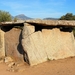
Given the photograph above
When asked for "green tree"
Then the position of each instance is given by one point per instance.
(68, 16)
(5, 16)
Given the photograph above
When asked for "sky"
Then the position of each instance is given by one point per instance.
(38, 8)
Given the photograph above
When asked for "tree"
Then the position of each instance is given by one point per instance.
(68, 16)
(5, 16)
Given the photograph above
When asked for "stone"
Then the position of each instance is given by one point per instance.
(8, 59)
(13, 47)
(21, 64)
(58, 44)
(17, 23)
(11, 64)
(47, 43)
(33, 47)
(51, 22)
(2, 44)
(12, 69)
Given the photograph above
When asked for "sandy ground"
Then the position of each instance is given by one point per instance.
(58, 67)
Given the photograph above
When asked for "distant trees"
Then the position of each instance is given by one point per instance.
(68, 16)
(5, 16)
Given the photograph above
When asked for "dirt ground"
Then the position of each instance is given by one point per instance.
(55, 67)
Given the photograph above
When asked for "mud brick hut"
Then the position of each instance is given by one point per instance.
(39, 41)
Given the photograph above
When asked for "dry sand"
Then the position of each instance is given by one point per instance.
(58, 67)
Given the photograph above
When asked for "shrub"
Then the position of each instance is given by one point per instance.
(5, 16)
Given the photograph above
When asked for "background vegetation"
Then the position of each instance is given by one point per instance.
(68, 16)
(5, 16)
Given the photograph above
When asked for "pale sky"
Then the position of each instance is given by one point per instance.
(38, 8)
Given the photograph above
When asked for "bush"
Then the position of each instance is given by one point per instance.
(5, 16)
(68, 16)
